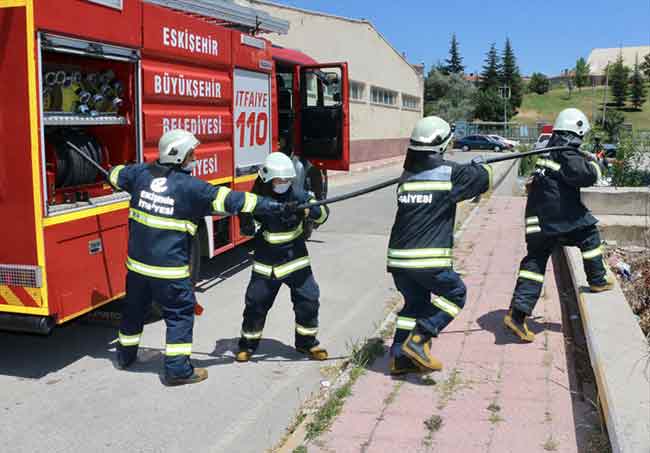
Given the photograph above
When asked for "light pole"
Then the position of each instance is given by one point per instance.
(505, 94)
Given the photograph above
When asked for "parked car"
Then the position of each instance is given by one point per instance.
(542, 141)
(610, 149)
(479, 142)
(511, 143)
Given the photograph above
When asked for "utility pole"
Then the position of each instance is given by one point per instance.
(505, 94)
(605, 93)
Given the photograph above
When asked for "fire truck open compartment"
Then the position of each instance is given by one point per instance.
(89, 97)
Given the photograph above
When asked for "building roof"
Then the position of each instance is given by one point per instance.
(342, 18)
(600, 58)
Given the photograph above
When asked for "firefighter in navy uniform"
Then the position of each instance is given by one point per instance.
(281, 257)
(421, 241)
(167, 204)
(556, 216)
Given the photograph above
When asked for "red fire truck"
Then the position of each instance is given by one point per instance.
(109, 77)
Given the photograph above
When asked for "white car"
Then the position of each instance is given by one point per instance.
(507, 141)
(542, 141)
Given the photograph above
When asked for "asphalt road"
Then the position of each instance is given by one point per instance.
(62, 393)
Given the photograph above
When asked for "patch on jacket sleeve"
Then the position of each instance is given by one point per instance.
(442, 173)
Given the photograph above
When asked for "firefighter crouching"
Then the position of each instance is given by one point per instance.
(167, 204)
(281, 257)
(421, 241)
(556, 216)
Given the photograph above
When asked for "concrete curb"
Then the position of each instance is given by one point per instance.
(620, 356)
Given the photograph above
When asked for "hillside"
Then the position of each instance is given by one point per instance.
(545, 107)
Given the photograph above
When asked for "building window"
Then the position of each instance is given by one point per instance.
(410, 102)
(383, 96)
(357, 91)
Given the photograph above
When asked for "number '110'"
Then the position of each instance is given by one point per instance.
(257, 127)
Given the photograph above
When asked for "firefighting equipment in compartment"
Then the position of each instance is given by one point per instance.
(431, 134)
(71, 168)
(280, 256)
(277, 165)
(85, 94)
(175, 145)
(167, 204)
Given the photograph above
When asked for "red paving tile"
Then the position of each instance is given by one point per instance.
(495, 394)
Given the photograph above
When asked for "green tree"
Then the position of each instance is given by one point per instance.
(448, 96)
(645, 66)
(455, 61)
(539, 83)
(583, 70)
(490, 73)
(612, 124)
(618, 80)
(488, 105)
(637, 87)
(509, 76)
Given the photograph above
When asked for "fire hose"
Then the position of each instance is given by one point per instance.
(198, 308)
(390, 182)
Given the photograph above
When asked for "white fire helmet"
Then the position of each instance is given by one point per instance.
(277, 165)
(431, 133)
(175, 145)
(572, 120)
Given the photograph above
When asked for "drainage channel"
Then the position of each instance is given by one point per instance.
(591, 432)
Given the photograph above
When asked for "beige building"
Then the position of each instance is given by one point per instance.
(600, 58)
(385, 90)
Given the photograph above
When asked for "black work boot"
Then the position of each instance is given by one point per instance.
(515, 321)
(315, 352)
(606, 286)
(246, 349)
(403, 365)
(418, 347)
(199, 374)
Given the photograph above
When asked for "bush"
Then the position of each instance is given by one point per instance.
(612, 125)
(526, 164)
(632, 161)
(539, 83)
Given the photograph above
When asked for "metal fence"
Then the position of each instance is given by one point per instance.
(524, 133)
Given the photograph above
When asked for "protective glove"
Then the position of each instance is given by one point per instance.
(290, 214)
(478, 160)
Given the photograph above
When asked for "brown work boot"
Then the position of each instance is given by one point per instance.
(243, 355)
(518, 327)
(418, 348)
(609, 284)
(404, 365)
(315, 352)
(200, 374)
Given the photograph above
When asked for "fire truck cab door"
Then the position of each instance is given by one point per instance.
(321, 102)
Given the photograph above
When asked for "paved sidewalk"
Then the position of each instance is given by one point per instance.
(495, 394)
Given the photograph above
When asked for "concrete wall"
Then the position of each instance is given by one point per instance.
(376, 131)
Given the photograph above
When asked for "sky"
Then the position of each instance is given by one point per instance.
(548, 36)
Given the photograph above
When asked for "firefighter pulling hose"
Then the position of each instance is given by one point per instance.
(393, 181)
